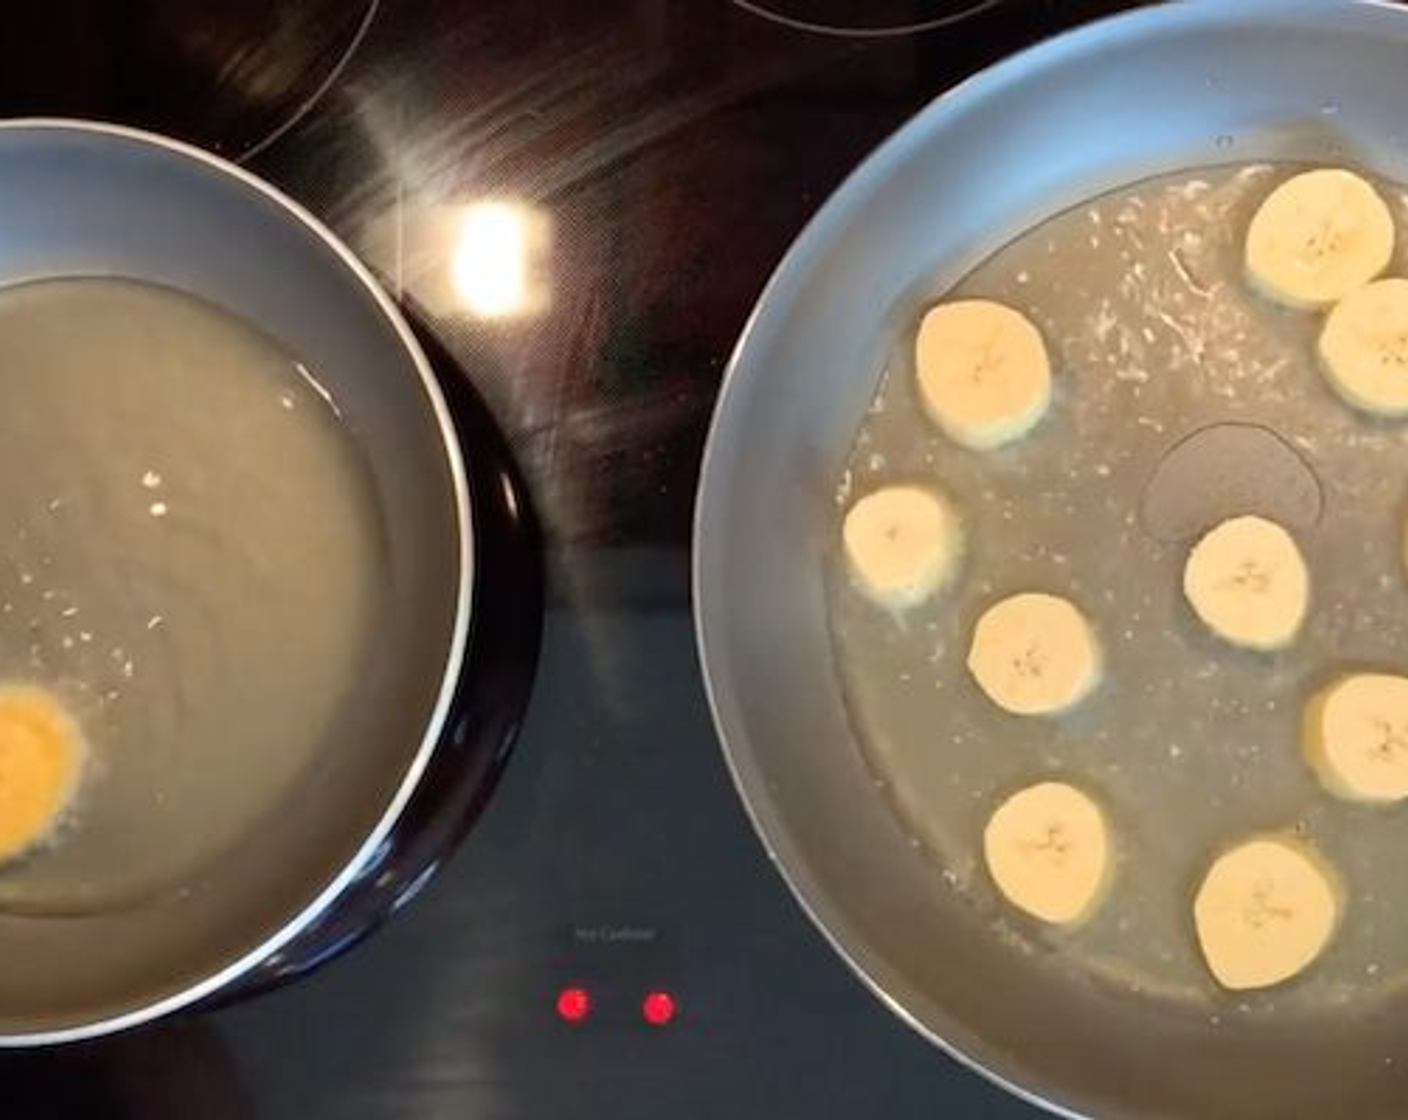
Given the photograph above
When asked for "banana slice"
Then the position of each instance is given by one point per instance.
(902, 544)
(1355, 737)
(1246, 580)
(1048, 850)
(1266, 909)
(1318, 237)
(1034, 654)
(1364, 348)
(984, 376)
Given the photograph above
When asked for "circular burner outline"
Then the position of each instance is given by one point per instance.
(760, 9)
(319, 91)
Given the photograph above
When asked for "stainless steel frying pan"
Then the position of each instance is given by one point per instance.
(86, 200)
(1163, 89)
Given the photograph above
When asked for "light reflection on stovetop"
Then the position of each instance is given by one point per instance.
(652, 162)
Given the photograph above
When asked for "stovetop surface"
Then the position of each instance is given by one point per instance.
(581, 202)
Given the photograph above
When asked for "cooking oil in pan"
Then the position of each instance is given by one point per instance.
(1190, 745)
(191, 563)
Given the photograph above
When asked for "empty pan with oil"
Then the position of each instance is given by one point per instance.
(235, 581)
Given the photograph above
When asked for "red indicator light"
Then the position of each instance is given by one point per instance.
(659, 1008)
(573, 1005)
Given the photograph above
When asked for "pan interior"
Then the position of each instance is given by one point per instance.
(235, 435)
(1157, 92)
(194, 560)
(1157, 341)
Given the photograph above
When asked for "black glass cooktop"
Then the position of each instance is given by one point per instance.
(232, 76)
(580, 202)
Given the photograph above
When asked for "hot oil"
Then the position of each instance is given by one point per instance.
(192, 556)
(1189, 744)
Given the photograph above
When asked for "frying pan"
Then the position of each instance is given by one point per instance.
(93, 200)
(1162, 89)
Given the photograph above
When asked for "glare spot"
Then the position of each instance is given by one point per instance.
(491, 263)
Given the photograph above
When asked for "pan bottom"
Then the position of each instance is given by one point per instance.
(1157, 341)
(195, 558)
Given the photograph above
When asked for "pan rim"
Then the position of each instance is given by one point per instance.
(787, 856)
(453, 665)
